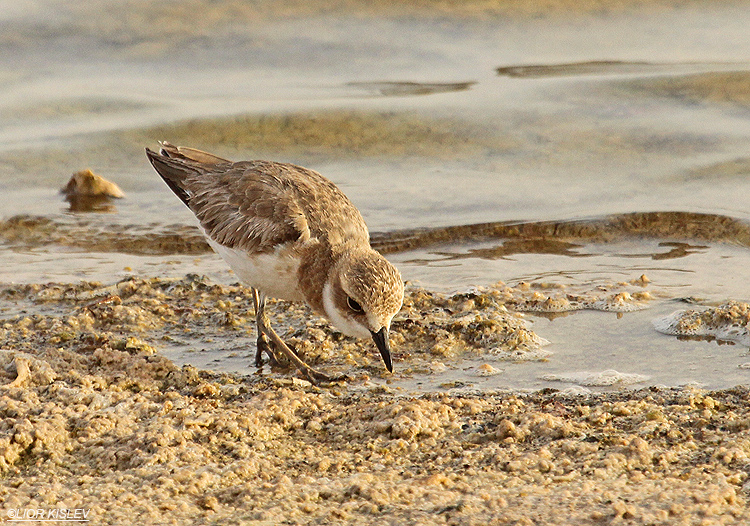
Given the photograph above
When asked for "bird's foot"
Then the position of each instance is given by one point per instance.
(276, 355)
(264, 345)
(318, 378)
(270, 343)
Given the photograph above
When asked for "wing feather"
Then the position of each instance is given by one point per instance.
(260, 205)
(243, 208)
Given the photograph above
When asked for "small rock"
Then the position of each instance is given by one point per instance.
(487, 370)
(87, 183)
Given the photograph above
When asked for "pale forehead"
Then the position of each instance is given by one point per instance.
(373, 271)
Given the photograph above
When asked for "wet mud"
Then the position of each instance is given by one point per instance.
(548, 237)
(95, 416)
(195, 312)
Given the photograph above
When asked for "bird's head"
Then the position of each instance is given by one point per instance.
(363, 293)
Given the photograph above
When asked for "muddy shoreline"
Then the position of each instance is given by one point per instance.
(94, 417)
(96, 234)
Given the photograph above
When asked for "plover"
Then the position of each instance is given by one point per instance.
(289, 233)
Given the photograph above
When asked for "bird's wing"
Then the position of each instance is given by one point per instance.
(248, 205)
(258, 205)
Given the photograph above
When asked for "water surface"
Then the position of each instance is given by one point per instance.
(577, 119)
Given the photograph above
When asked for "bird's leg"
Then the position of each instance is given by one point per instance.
(262, 344)
(265, 331)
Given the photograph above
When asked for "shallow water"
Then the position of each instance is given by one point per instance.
(436, 120)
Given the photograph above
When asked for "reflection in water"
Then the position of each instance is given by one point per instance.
(511, 247)
(330, 134)
(677, 250)
(555, 248)
(90, 203)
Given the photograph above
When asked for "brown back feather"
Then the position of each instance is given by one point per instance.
(258, 205)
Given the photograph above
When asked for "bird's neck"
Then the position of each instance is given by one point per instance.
(317, 261)
(318, 266)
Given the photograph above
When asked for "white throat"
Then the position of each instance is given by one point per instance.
(342, 323)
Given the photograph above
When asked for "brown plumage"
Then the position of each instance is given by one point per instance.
(289, 232)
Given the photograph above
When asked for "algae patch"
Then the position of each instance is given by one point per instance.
(727, 322)
(729, 88)
(333, 133)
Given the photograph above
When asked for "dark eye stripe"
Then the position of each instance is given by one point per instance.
(356, 307)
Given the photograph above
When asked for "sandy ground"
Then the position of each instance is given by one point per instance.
(93, 417)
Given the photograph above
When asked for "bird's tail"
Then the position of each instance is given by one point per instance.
(190, 154)
(175, 163)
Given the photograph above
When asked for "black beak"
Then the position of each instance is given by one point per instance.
(384, 346)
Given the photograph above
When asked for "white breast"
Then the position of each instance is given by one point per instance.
(273, 273)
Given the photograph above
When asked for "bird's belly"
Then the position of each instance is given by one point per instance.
(273, 273)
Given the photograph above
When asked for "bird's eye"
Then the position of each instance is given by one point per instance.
(356, 307)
